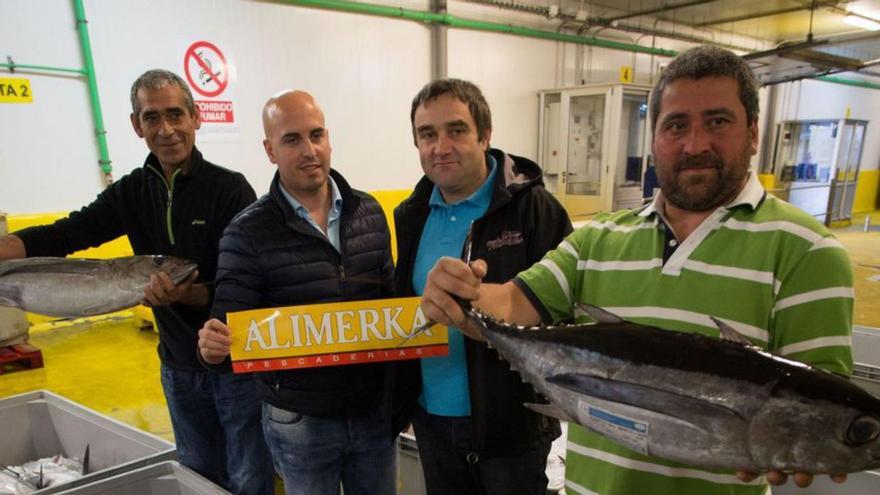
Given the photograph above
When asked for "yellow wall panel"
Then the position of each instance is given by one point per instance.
(866, 191)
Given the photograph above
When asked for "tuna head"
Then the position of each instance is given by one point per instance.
(825, 424)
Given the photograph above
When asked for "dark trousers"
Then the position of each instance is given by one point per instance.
(216, 421)
(451, 466)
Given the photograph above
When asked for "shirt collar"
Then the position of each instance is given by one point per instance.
(480, 198)
(335, 201)
(751, 195)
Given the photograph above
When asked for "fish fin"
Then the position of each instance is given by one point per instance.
(549, 410)
(598, 314)
(49, 264)
(730, 334)
(10, 296)
(666, 402)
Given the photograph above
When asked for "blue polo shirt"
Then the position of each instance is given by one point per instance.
(445, 379)
(332, 233)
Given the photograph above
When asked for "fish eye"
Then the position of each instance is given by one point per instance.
(863, 429)
(158, 260)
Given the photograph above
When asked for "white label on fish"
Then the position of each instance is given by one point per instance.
(629, 431)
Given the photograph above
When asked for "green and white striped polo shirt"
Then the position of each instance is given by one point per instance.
(759, 264)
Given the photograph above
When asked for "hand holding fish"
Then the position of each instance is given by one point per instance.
(450, 281)
(778, 478)
(162, 291)
(214, 341)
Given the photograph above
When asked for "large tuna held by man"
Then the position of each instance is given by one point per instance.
(694, 399)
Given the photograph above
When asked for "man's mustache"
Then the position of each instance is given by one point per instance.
(700, 161)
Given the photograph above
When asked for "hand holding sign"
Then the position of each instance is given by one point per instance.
(214, 341)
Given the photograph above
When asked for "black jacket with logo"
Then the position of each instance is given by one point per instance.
(201, 202)
(270, 257)
(522, 223)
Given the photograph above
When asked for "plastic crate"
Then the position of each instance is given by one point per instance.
(42, 424)
(165, 478)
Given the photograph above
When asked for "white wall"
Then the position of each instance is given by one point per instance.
(364, 70)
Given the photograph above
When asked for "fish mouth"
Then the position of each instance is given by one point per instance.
(184, 272)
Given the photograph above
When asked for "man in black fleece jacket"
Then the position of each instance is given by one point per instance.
(311, 239)
(177, 204)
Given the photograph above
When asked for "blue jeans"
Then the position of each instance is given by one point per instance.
(451, 465)
(314, 454)
(216, 421)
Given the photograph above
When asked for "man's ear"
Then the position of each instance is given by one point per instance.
(487, 137)
(198, 118)
(136, 124)
(267, 145)
(753, 136)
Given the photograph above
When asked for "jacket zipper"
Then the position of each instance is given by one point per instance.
(168, 210)
(170, 189)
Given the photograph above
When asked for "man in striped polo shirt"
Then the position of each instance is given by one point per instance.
(711, 244)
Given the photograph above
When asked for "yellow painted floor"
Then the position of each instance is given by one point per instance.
(112, 366)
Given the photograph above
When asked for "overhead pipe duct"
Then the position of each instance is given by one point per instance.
(452, 21)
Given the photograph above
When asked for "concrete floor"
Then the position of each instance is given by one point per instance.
(112, 366)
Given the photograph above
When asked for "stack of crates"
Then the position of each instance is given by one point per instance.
(42, 424)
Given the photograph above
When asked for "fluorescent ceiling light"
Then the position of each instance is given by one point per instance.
(862, 22)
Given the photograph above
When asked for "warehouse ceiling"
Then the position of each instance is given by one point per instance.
(785, 39)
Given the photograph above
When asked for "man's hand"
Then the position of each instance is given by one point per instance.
(214, 341)
(451, 278)
(162, 291)
(778, 478)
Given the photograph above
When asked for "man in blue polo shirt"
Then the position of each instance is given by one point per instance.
(474, 434)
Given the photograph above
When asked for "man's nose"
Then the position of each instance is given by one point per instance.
(308, 148)
(443, 145)
(165, 127)
(697, 141)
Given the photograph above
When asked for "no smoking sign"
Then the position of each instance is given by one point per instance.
(206, 69)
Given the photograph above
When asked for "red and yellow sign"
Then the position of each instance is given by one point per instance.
(332, 334)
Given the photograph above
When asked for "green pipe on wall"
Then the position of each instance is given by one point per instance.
(43, 68)
(94, 99)
(849, 82)
(494, 27)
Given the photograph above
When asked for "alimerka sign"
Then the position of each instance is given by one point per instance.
(332, 334)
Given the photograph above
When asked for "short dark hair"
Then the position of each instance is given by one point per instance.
(159, 78)
(705, 61)
(466, 92)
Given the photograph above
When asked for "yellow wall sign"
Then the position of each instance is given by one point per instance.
(332, 334)
(15, 90)
(626, 74)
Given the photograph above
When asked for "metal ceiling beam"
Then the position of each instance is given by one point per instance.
(746, 17)
(659, 10)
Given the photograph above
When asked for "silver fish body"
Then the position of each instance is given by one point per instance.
(69, 287)
(694, 399)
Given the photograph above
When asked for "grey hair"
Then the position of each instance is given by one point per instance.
(706, 61)
(466, 92)
(156, 79)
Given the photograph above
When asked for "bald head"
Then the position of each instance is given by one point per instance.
(291, 104)
(299, 144)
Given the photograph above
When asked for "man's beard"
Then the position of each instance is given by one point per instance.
(705, 192)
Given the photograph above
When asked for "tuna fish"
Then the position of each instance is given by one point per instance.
(714, 403)
(67, 287)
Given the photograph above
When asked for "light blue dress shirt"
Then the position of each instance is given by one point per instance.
(332, 233)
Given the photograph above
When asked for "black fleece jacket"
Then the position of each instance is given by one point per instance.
(522, 223)
(184, 218)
